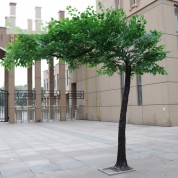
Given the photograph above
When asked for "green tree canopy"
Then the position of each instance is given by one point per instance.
(108, 38)
(92, 38)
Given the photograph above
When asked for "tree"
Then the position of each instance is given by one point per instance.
(107, 38)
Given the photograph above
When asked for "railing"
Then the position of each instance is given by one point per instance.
(25, 113)
(75, 112)
(75, 94)
(25, 109)
(50, 113)
(3, 106)
(31, 113)
(2, 113)
(50, 109)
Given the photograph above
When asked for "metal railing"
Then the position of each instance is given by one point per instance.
(3, 106)
(75, 112)
(25, 113)
(50, 113)
(31, 113)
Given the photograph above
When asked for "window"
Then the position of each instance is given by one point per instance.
(12, 38)
(176, 13)
(139, 90)
(133, 3)
(67, 72)
(57, 81)
(54, 81)
(46, 84)
(122, 75)
(118, 4)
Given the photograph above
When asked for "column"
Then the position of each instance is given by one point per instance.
(51, 89)
(30, 25)
(38, 19)
(12, 17)
(62, 88)
(6, 75)
(29, 85)
(30, 99)
(11, 98)
(38, 115)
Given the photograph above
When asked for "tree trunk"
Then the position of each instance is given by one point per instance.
(121, 162)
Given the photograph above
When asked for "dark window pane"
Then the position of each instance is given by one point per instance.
(139, 90)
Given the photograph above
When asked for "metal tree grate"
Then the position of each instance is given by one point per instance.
(113, 171)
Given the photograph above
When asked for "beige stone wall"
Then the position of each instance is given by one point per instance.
(4, 38)
(160, 93)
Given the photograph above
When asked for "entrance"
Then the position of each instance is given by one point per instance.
(74, 108)
(3, 106)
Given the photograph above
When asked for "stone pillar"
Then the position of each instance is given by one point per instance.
(51, 89)
(38, 19)
(62, 88)
(7, 21)
(30, 99)
(30, 25)
(61, 14)
(38, 115)
(29, 70)
(6, 78)
(11, 98)
(12, 18)
(29, 84)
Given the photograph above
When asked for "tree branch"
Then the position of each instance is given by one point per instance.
(81, 53)
(76, 55)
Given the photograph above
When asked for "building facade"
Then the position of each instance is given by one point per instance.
(153, 100)
(56, 78)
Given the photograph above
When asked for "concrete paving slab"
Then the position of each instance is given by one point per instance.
(77, 149)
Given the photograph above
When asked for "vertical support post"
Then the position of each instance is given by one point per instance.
(62, 85)
(12, 18)
(38, 117)
(29, 79)
(6, 78)
(6, 75)
(30, 25)
(11, 98)
(29, 88)
(51, 88)
(62, 90)
(38, 19)
(29, 84)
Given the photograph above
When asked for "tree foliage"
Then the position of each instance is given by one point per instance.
(92, 38)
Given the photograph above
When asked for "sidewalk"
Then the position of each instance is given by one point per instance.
(76, 149)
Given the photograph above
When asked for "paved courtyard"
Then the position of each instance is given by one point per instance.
(76, 149)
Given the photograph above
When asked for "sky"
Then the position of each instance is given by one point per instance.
(25, 9)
